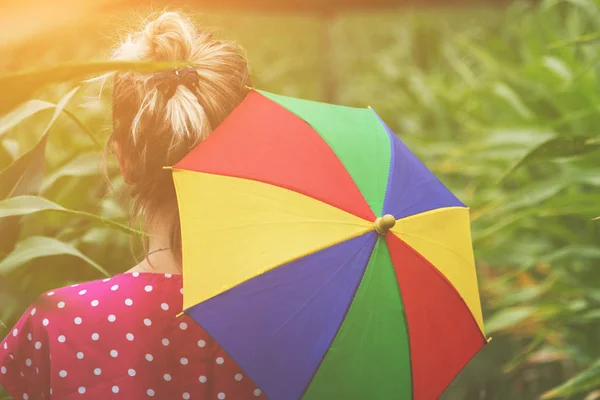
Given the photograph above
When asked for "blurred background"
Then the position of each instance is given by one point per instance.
(500, 99)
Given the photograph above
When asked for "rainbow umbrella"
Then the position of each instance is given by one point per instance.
(324, 257)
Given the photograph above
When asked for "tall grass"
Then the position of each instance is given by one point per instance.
(502, 104)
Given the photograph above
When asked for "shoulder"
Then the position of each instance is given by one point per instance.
(120, 286)
(130, 293)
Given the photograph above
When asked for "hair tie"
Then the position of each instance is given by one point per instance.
(168, 81)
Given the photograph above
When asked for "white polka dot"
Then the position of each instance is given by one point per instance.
(80, 355)
(112, 318)
(238, 377)
(50, 390)
(106, 280)
(95, 303)
(164, 306)
(97, 371)
(75, 285)
(181, 290)
(81, 390)
(148, 288)
(50, 293)
(77, 320)
(136, 274)
(201, 343)
(15, 332)
(28, 362)
(33, 311)
(257, 392)
(82, 292)
(221, 396)
(202, 379)
(45, 322)
(114, 353)
(131, 372)
(62, 338)
(168, 275)
(149, 357)
(5, 346)
(185, 396)
(220, 360)
(95, 336)
(167, 377)
(61, 304)
(128, 302)
(38, 345)
(150, 392)
(62, 373)
(147, 322)
(129, 336)
(183, 326)
(37, 370)
(29, 337)
(183, 361)
(114, 287)
(165, 342)
(115, 389)
(25, 396)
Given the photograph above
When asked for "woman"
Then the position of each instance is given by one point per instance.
(121, 337)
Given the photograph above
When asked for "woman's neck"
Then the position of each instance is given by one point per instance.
(160, 256)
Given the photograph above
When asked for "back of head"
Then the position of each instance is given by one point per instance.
(152, 128)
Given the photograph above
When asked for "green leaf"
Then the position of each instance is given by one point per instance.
(38, 247)
(19, 86)
(24, 177)
(25, 205)
(25, 174)
(32, 108)
(558, 147)
(507, 318)
(511, 97)
(24, 111)
(557, 67)
(86, 164)
(587, 380)
(589, 38)
(11, 146)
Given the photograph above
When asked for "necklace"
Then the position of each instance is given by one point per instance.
(157, 250)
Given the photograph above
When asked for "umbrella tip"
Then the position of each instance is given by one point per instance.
(167, 167)
(489, 339)
(384, 224)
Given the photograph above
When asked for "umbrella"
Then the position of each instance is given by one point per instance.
(324, 257)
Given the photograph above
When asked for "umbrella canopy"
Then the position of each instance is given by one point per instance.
(324, 257)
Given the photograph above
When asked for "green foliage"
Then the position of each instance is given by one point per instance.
(502, 104)
(23, 84)
(587, 380)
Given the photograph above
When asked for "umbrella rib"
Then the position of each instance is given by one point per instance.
(416, 200)
(320, 289)
(424, 238)
(362, 281)
(450, 284)
(286, 223)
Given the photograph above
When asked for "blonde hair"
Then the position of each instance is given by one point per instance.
(153, 129)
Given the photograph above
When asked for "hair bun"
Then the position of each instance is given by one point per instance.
(170, 37)
(153, 127)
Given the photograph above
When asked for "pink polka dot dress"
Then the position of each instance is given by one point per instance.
(117, 338)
